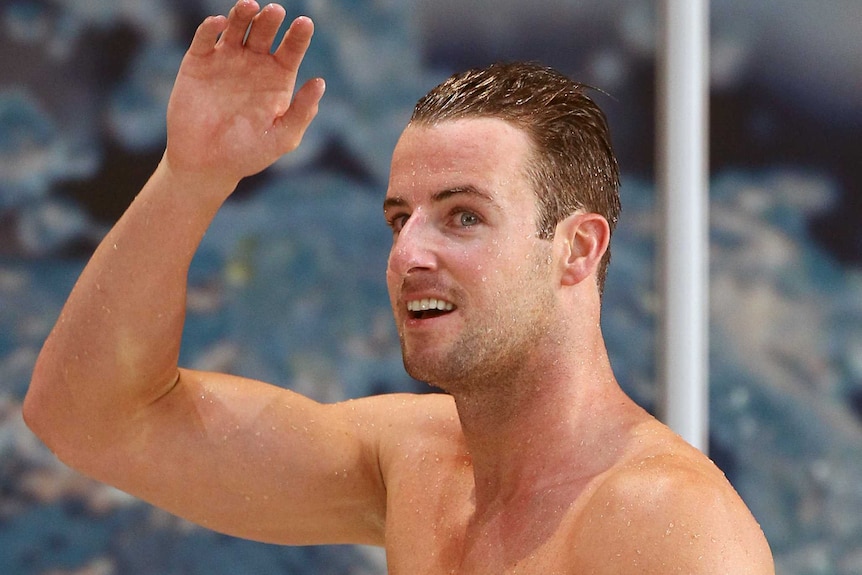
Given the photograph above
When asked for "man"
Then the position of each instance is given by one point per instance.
(501, 199)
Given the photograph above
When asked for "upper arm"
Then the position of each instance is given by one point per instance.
(671, 516)
(252, 460)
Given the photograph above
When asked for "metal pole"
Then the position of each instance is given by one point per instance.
(682, 124)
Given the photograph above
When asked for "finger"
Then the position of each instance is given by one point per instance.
(293, 124)
(238, 21)
(264, 27)
(295, 43)
(206, 35)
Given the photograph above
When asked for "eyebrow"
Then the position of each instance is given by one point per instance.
(443, 195)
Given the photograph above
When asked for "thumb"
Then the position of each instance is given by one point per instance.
(291, 126)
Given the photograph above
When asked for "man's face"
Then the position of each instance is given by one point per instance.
(469, 281)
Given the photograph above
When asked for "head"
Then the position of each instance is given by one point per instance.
(475, 293)
(573, 165)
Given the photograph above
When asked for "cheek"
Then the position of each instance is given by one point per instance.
(391, 284)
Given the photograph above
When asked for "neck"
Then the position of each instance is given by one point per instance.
(544, 430)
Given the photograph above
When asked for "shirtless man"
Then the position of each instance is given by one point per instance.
(534, 462)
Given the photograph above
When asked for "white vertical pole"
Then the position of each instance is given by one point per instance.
(682, 127)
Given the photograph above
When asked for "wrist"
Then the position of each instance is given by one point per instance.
(200, 184)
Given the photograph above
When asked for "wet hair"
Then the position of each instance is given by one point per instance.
(573, 167)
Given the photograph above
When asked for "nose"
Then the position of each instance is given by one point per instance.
(414, 247)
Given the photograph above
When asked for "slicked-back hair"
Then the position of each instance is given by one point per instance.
(573, 166)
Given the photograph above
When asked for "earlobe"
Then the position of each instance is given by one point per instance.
(583, 240)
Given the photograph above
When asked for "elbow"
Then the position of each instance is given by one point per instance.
(36, 409)
(30, 411)
(50, 418)
(48, 409)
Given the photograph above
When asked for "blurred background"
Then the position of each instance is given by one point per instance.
(288, 285)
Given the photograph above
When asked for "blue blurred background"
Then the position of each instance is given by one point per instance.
(288, 285)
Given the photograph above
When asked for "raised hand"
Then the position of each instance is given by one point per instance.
(233, 111)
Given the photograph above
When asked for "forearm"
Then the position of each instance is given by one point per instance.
(116, 343)
(114, 349)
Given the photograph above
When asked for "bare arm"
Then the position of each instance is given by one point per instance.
(107, 395)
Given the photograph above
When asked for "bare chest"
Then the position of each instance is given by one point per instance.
(431, 531)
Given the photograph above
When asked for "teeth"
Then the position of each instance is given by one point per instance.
(429, 303)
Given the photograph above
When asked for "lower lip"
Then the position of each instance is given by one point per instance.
(426, 322)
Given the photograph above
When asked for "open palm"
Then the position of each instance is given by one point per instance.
(233, 112)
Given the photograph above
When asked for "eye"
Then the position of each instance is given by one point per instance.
(467, 219)
(397, 221)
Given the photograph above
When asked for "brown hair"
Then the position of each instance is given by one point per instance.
(574, 166)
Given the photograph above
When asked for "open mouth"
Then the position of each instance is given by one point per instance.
(427, 308)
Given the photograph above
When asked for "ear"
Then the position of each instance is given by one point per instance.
(580, 242)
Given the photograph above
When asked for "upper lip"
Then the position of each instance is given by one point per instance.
(418, 289)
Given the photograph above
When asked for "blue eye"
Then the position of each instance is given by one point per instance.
(468, 219)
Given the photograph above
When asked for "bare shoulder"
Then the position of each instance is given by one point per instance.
(403, 419)
(418, 436)
(669, 510)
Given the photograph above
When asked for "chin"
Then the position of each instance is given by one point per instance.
(428, 371)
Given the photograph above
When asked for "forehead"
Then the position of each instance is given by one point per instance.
(485, 153)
